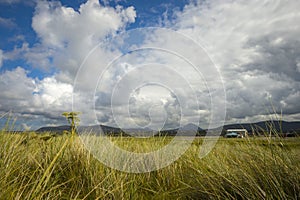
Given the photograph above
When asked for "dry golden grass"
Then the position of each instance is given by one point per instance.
(42, 167)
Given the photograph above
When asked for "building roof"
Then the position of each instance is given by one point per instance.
(229, 130)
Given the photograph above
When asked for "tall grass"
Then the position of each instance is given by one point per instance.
(41, 167)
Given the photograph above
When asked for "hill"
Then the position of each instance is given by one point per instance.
(54, 129)
(257, 127)
(84, 129)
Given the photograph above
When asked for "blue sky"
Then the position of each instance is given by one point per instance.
(249, 50)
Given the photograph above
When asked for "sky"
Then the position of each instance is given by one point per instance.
(149, 64)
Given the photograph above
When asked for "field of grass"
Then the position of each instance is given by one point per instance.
(39, 167)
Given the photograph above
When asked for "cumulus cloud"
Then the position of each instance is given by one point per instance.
(255, 45)
(72, 34)
(26, 96)
(56, 25)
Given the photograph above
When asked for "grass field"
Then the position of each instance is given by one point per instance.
(39, 167)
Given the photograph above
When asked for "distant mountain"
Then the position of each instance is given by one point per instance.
(190, 127)
(55, 129)
(107, 130)
(101, 129)
(258, 127)
(191, 130)
(138, 130)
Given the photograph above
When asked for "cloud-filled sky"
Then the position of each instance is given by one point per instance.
(149, 63)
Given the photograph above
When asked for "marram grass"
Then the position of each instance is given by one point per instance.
(43, 167)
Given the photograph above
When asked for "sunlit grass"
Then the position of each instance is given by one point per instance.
(145, 145)
(44, 167)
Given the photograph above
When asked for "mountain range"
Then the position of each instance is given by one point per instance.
(189, 129)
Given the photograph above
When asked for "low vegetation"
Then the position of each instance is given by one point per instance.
(36, 166)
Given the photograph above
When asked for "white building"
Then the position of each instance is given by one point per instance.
(240, 132)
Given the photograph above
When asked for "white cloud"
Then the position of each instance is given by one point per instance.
(25, 127)
(298, 64)
(7, 23)
(255, 44)
(1, 58)
(67, 35)
(36, 56)
(53, 93)
(9, 1)
(26, 96)
(16, 85)
(142, 68)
